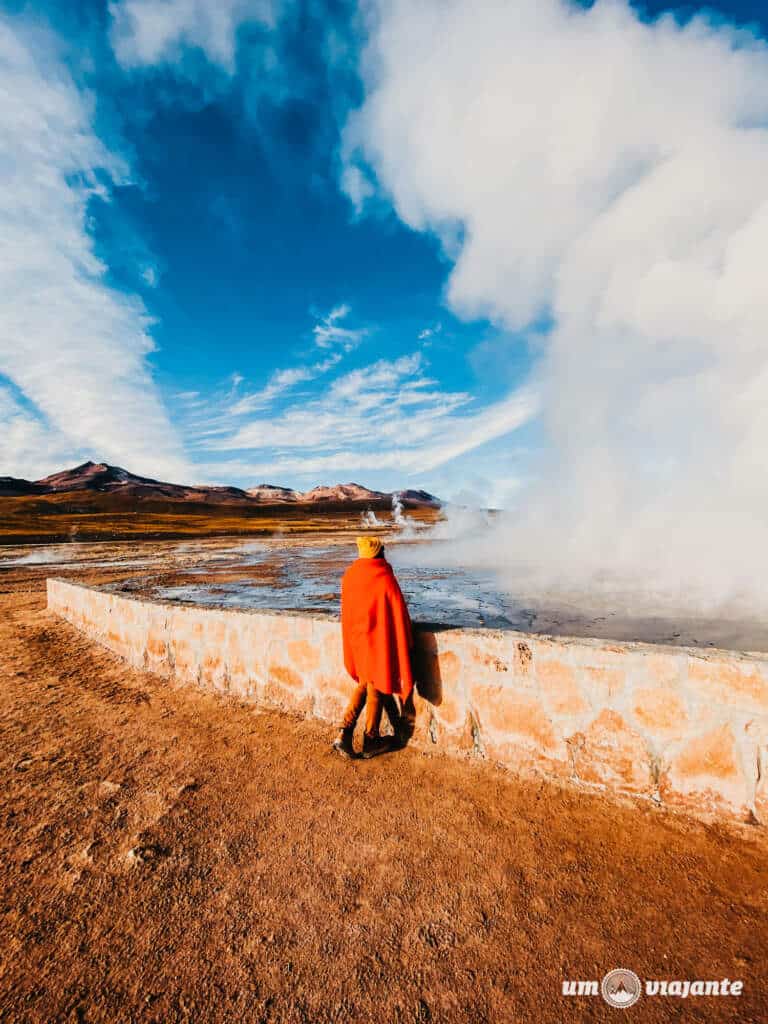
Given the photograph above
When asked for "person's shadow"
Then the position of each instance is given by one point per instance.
(428, 684)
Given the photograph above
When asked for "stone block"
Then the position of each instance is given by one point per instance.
(486, 667)
(303, 655)
(215, 629)
(331, 695)
(425, 726)
(183, 655)
(255, 644)
(516, 729)
(332, 652)
(451, 710)
(601, 670)
(736, 682)
(242, 682)
(661, 712)
(449, 667)
(557, 681)
(609, 753)
(279, 627)
(662, 669)
(706, 774)
(754, 750)
(602, 684)
(243, 667)
(303, 627)
(285, 676)
(212, 670)
(157, 643)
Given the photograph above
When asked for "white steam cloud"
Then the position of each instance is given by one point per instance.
(609, 175)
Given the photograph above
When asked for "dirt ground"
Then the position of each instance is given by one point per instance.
(168, 855)
(99, 516)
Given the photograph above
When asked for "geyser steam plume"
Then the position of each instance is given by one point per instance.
(609, 176)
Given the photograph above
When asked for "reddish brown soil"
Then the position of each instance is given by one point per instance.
(167, 855)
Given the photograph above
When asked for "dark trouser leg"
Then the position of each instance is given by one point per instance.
(374, 708)
(407, 718)
(392, 709)
(355, 706)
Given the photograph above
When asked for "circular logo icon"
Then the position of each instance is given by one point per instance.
(621, 988)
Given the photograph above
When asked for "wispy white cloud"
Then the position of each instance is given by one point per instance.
(279, 383)
(417, 453)
(76, 350)
(430, 332)
(330, 332)
(388, 415)
(30, 449)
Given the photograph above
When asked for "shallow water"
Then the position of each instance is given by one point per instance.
(309, 579)
(299, 576)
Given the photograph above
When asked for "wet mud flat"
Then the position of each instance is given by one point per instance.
(303, 573)
(308, 579)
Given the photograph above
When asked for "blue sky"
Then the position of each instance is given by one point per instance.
(266, 302)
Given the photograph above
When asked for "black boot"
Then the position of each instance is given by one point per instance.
(343, 743)
(375, 745)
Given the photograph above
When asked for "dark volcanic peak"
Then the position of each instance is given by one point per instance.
(91, 476)
(101, 477)
(417, 499)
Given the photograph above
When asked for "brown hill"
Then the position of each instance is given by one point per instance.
(341, 493)
(272, 494)
(101, 478)
(91, 476)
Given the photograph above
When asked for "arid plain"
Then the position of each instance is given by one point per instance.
(173, 855)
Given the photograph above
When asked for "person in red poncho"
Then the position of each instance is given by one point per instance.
(377, 637)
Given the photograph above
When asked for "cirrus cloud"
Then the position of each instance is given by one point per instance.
(75, 350)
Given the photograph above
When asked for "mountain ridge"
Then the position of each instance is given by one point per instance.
(103, 477)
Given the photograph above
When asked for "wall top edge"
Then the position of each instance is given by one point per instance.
(619, 646)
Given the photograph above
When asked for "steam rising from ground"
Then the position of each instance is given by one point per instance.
(607, 175)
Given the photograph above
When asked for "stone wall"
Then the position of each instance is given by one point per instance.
(685, 727)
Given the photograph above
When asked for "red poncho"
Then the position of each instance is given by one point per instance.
(376, 627)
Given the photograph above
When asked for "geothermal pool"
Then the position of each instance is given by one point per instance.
(309, 579)
(295, 575)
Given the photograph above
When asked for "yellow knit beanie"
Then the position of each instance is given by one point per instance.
(369, 547)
